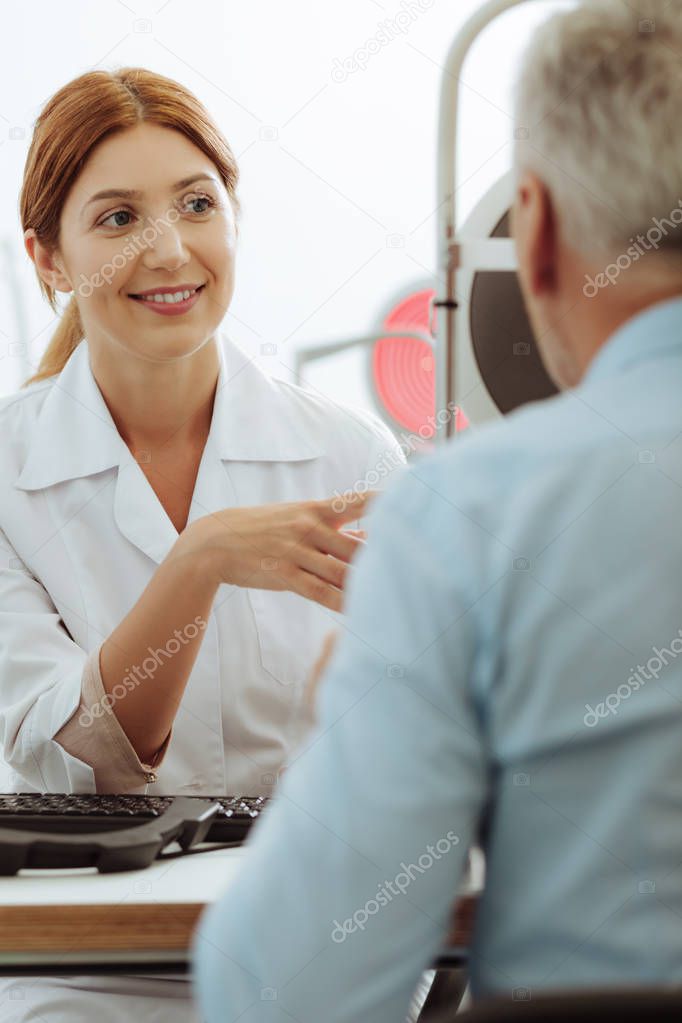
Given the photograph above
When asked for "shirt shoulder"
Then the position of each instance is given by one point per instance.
(320, 410)
(484, 490)
(19, 412)
(27, 401)
(359, 448)
(538, 441)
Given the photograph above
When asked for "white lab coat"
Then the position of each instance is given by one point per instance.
(81, 534)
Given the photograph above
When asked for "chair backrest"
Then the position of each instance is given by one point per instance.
(622, 1005)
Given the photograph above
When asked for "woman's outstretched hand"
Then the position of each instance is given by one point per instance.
(299, 546)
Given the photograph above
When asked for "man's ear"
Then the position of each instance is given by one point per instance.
(47, 264)
(535, 231)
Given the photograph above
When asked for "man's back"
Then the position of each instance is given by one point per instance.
(579, 691)
(487, 687)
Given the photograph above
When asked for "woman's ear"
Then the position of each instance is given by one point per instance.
(47, 264)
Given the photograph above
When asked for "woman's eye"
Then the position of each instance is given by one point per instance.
(201, 198)
(116, 213)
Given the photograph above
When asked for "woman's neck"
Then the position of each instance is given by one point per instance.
(159, 405)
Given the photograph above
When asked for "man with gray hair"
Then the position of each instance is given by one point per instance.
(509, 671)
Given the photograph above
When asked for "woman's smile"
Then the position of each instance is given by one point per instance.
(170, 303)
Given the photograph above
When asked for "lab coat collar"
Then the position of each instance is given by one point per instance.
(74, 434)
(257, 418)
(254, 419)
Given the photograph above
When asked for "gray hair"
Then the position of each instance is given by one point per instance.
(598, 106)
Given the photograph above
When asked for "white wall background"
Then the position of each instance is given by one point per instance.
(331, 171)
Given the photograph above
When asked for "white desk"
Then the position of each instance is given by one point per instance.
(141, 921)
(52, 920)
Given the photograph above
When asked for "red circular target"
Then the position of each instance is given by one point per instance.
(404, 368)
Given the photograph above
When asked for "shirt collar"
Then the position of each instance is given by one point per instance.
(255, 418)
(647, 335)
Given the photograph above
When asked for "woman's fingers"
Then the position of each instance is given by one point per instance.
(345, 507)
(331, 570)
(339, 544)
(314, 588)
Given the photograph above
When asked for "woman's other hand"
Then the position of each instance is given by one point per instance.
(318, 670)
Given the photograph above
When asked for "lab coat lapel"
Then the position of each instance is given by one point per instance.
(251, 422)
(76, 437)
(139, 514)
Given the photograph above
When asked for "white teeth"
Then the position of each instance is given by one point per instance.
(178, 296)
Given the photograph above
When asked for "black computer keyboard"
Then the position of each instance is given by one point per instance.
(72, 813)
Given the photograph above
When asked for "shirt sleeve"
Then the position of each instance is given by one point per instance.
(94, 735)
(47, 681)
(40, 682)
(366, 840)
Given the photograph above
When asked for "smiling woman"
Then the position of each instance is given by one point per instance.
(152, 477)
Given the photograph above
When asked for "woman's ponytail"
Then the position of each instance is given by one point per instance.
(63, 342)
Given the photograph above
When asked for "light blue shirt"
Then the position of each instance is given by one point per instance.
(510, 658)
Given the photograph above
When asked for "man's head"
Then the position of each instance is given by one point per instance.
(598, 160)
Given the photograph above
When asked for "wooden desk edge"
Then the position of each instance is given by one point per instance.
(136, 927)
(125, 926)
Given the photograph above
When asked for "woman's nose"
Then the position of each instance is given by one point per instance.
(166, 248)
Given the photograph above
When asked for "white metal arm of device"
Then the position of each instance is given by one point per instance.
(454, 253)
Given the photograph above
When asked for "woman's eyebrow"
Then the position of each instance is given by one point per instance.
(132, 193)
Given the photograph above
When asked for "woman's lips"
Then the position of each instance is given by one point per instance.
(170, 308)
